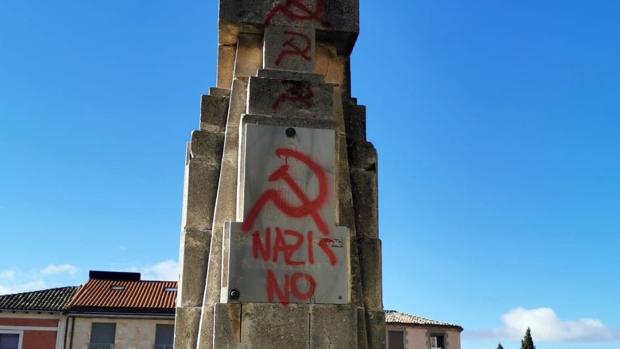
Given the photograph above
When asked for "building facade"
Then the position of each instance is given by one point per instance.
(406, 331)
(34, 320)
(119, 311)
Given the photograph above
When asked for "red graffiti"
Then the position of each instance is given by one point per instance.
(278, 247)
(291, 285)
(296, 11)
(289, 244)
(292, 49)
(307, 208)
(324, 245)
(297, 91)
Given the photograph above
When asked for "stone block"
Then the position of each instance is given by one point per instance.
(370, 257)
(227, 326)
(363, 155)
(200, 194)
(266, 325)
(346, 212)
(365, 200)
(213, 113)
(339, 19)
(355, 119)
(333, 326)
(226, 65)
(357, 294)
(205, 334)
(207, 147)
(249, 55)
(289, 122)
(186, 327)
(362, 333)
(193, 267)
(329, 64)
(289, 98)
(289, 48)
(290, 75)
(226, 200)
(220, 92)
(375, 326)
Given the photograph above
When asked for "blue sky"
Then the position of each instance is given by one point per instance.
(496, 123)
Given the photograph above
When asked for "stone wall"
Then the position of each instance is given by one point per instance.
(282, 66)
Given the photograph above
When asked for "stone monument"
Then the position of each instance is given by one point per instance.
(279, 246)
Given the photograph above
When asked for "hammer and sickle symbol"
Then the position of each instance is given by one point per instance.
(291, 47)
(307, 207)
(304, 12)
(297, 91)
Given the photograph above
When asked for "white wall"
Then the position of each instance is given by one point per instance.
(417, 337)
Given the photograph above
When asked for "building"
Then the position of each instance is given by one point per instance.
(406, 331)
(116, 310)
(34, 320)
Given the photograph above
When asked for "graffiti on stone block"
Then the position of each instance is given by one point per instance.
(298, 11)
(307, 208)
(276, 245)
(298, 44)
(297, 92)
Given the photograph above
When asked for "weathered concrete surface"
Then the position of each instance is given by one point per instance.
(204, 155)
(364, 188)
(355, 120)
(273, 326)
(206, 331)
(290, 98)
(370, 252)
(186, 324)
(213, 112)
(289, 48)
(227, 319)
(249, 56)
(226, 65)
(375, 327)
(193, 264)
(224, 211)
(329, 64)
(333, 326)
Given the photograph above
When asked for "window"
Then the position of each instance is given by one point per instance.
(164, 336)
(102, 336)
(396, 340)
(437, 341)
(10, 340)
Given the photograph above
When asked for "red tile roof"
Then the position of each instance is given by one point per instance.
(126, 296)
(395, 317)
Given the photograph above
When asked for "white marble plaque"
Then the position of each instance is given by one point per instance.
(285, 247)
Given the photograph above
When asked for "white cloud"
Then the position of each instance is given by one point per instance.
(16, 281)
(53, 269)
(547, 326)
(23, 287)
(4, 290)
(166, 270)
(8, 274)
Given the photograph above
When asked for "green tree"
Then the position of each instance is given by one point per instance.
(527, 342)
(500, 346)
